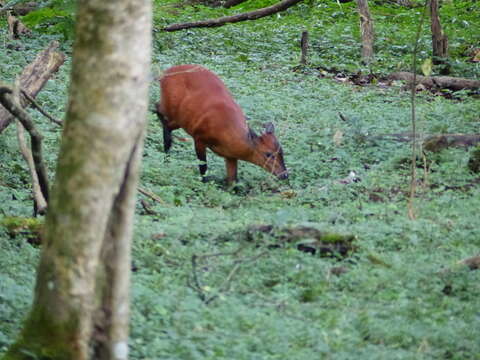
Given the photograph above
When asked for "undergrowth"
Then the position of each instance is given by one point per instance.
(392, 298)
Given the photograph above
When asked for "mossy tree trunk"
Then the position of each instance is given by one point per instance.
(81, 305)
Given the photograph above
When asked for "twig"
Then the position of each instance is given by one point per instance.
(10, 103)
(151, 195)
(40, 109)
(225, 285)
(197, 286)
(342, 117)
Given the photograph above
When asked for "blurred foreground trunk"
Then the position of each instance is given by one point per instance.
(81, 305)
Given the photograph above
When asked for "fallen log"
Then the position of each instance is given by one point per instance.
(436, 143)
(433, 143)
(437, 82)
(34, 77)
(252, 15)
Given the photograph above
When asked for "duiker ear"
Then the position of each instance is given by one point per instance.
(269, 128)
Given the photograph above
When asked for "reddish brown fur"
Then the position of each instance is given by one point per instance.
(196, 100)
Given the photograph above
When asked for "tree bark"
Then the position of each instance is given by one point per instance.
(439, 39)
(437, 82)
(83, 275)
(16, 27)
(304, 46)
(252, 15)
(366, 30)
(34, 77)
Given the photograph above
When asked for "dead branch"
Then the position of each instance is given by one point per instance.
(147, 208)
(434, 142)
(437, 82)
(16, 27)
(38, 198)
(151, 195)
(195, 283)
(9, 102)
(40, 109)
(252, 15)
(34, 77)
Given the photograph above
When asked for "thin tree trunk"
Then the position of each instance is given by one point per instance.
(34, 77)
(252, 15)
(304, 46)
(83, 275)
(439, 39)
(366, 30)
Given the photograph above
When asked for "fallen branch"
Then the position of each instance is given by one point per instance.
(437, 82)
(434, 142)
(252, 15)
(10, 103)
(16, 27)
(147, 208)
(151, 195)
(40, 204)
(34, 77)
(40, 109)
(195, 283)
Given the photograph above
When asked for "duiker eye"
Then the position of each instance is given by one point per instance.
(268, 154)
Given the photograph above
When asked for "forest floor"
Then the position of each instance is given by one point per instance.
(220, 273)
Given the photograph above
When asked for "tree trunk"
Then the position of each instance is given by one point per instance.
(83, 275)
(252, 15)
(439, 40)
(304, 46)
(34, 77)
(366, 30)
